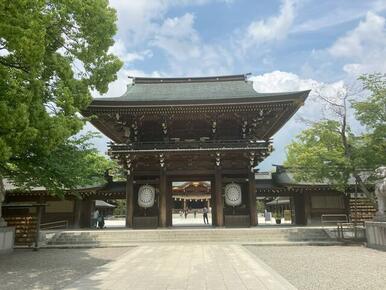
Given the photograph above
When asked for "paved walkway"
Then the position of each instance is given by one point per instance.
(185, 267)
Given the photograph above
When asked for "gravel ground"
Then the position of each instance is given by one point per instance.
(328, 267)
(51, 268)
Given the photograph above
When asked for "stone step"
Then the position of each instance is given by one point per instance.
(128, 237)
(65, 236)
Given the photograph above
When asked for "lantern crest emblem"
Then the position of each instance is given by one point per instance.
(146, 196)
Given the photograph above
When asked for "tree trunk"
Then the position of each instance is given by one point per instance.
(362, 185)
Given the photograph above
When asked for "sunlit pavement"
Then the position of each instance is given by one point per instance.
(185, 267)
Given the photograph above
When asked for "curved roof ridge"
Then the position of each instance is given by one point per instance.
(153, 80)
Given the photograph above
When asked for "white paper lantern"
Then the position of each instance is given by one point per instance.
(233, 194)
(146, 196)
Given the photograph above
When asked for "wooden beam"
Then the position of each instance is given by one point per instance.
(234, 179)
(147, 181)
(187, 173)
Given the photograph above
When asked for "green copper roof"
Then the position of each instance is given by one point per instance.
(203, 89)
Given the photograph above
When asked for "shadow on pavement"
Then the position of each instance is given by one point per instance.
(51, 268)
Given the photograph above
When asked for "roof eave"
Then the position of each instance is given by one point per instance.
(300, 97)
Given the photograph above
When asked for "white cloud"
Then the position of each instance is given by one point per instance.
(186, 52)
(339, 14)
(138, 20)
(363, 47)
(272, 29)
(178, 38)
(119, 49)
(143, 24)
(314, 109)
(278, 81)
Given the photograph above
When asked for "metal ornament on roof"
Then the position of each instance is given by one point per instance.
(233, 194)
(146, 196)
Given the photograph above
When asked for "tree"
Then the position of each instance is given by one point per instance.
(53, 53)
(318, 154)
(329, 150)
(371, 113)
(73, 164)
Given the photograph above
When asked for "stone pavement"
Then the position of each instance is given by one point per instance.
(188, 266)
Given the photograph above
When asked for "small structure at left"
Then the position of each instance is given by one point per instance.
(7, 234)
(7, 239)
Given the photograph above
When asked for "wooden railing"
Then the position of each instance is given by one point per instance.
(333, 218)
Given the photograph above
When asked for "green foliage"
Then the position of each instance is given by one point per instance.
(121, 207)
(277, 215)
(372, 111)
(372, 114)
(318, 155)
(328, 152)
(260, 206)
(73, 164)
(52, 54)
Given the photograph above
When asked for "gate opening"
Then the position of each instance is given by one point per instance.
(191, 204)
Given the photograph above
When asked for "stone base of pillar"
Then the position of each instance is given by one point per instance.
(380, 217)
(376, 235)
(3, 223)
(7, 239)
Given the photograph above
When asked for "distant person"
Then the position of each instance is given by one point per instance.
(194, 213)
(101, 221)
(94, 219)
(186, 213)
(205, 216)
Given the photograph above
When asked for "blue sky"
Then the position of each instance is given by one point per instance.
(285, 44)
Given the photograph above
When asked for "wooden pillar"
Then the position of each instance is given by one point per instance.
(39, 210)
(163, 199)
(218, 197)
(252, 199)
(85, 214)
(129, 201)
(169, 198)
(307, 208)
(77, 213)
(300, 218)
(213, 202)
